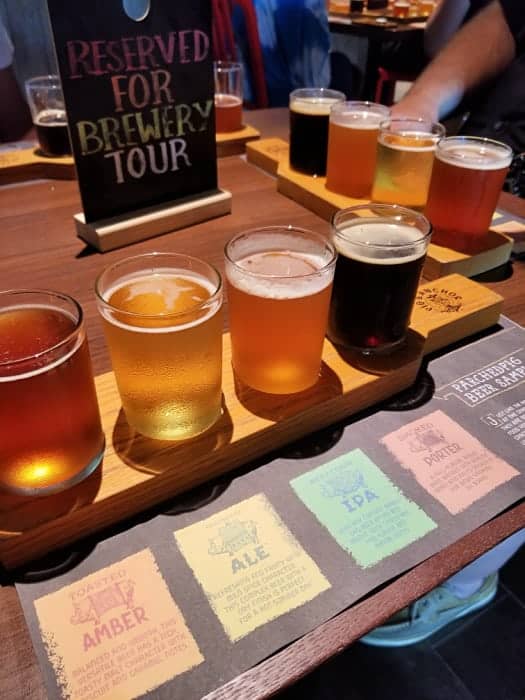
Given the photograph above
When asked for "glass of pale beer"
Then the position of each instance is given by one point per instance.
(163, 325)
(51, 432)
(279, 282)
(228, 96)
(405, 154)
(352, 147)
(309, 116)
(467, 179)
(381, 250)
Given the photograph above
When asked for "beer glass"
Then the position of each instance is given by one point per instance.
(51, 432)
(46, 102)
(401, 9)
(279, 284)
(352, 147)
(381, 249)
(309, 115)
(405, 154)
(466, 182)
(163, 325)
(228, 96)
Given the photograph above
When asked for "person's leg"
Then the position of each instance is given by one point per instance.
(468, 590)
(470, 579)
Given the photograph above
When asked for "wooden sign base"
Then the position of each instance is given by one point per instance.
(119, 231)
(19, 165)
(234, 142)
(138, 473)
(271, 155)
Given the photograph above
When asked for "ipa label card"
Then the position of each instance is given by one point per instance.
(454, 467)
(362, 509)
(116, 633)
(250, 566)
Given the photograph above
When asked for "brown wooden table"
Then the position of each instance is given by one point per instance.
(39, 249)
(377, 30)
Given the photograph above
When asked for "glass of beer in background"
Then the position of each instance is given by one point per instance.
(352, 147)
(228, 96)
(279, 284)
(309, 116)
(401, 9)
(163, 324)
(381, 249)
(466, 182)
(46, 102)
(405, 154)
(51, 432)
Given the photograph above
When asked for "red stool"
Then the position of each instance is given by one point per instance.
(386, 84)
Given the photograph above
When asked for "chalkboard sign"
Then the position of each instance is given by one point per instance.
(139, 100)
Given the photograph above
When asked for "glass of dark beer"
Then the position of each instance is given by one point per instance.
(309, 117)
(46, 102)
(381, 249)
(51, 432)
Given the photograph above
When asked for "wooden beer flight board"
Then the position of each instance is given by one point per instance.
(271, 155)
(20, 165)
(138, 473)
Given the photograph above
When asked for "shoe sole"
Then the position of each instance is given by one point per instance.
(414, 639)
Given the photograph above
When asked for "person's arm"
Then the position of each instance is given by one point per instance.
(479, 51)
(443, 23)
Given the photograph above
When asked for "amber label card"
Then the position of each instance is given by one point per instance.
(451, 464)
(116, 633)
(250, 566)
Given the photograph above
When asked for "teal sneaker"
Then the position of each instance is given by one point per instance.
(429, 614)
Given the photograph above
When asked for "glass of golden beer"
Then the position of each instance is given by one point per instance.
(279, 284)
(51, 432)
(352, 147)
(309, 116)
(228, 96)
(467, 179)
(163, 324)
(405, 154)
(381, 250)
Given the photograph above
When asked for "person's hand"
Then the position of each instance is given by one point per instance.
(415, 108)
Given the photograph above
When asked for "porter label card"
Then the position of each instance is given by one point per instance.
(139, 101)
(454, 467)
(116, 633)
(366, 514)
(250, 566)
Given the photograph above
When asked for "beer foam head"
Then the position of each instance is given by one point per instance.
(357, 118)
(51, 117)
(160, 302)
(380, 241)
(474, 154)
(314, 106)
(287, 275)
(409, 140)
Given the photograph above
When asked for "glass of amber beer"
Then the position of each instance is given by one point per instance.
(309, 116)
(51, 432)
(405, 154)
(352, 147)
(163, 324)
(381, 249)
(279, 284)
(228, 96)
(466, 182)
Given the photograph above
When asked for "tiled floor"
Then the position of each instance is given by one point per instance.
(481, 657)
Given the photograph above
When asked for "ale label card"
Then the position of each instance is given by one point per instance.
(362, 509)
(250, 566)
(116, 633)
(454, 467)
(139, 101)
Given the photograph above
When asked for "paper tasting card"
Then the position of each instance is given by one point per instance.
(362, 509)
(250, 566)
(454, 467)
(116, 633)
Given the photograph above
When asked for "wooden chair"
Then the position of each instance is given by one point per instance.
(386, 84)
